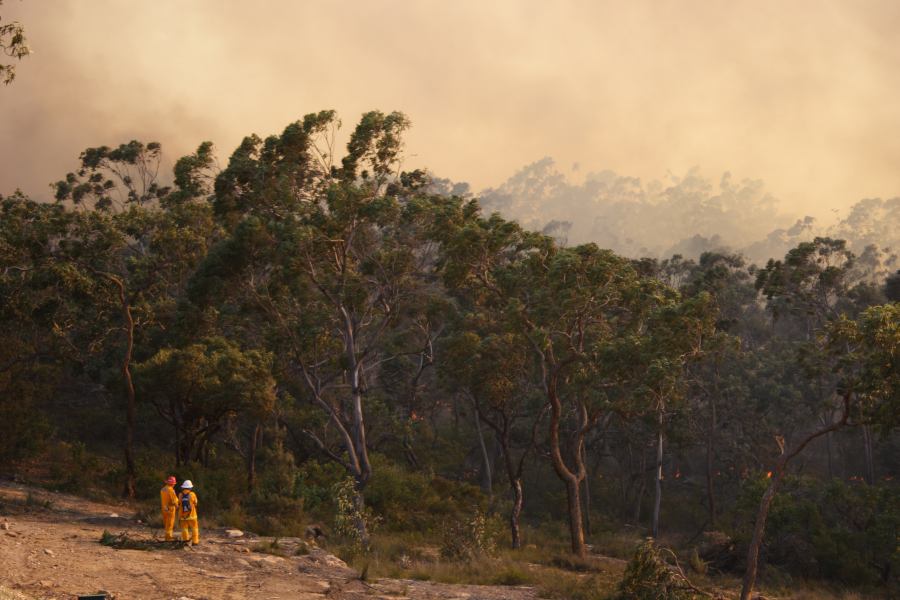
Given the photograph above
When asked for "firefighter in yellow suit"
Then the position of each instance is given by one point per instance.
(187, 511)
(169, 504)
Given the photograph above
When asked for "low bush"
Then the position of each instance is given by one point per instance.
(845, 533)
(649, 576)
(408, 501)
(465, 539)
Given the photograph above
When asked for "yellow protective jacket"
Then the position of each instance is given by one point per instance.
(168, 499)
(191, 516)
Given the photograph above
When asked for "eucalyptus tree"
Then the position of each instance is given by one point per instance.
(408, 381)
(36, 318)
(564, 304)
(197, 389)
(647, 364)
(865, 354)
(111, 179)
(807, 287)
(568, 303)
(815, 284)
(676, 336)
(492, 365)
(330, 256)
(137, 255)
(718, 391)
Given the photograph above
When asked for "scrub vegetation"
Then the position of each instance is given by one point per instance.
(321, 338)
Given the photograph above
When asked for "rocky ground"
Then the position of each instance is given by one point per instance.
(49, 549)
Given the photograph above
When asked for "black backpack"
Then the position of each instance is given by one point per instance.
(186, 503)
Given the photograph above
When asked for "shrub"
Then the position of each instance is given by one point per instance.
(511, 575)
(23, 428)
(698, 565)
(649, 577)
(313, 484)
(347, 514)
(468, 539)
(845, 533)
(270, 547)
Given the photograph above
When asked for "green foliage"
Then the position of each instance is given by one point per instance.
(377, 140)
(466, 539)
(14, 45)
(23, 428)
(348, 514)
(270, 547)
(312, 335)
(275, 505)
(698, 565)
(197, 388)
(868, 358)
(846, 533)
(107, 539)
(193, 176)
(405, 500)
(314, 483)
(649, 576)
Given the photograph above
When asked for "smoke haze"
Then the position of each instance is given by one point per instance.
(802, 95)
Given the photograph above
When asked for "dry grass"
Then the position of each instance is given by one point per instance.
(548, 567)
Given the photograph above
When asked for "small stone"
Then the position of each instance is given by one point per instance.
(45, 583)
(234, 533)
(4, 526)
(48, 552)
(113, 515)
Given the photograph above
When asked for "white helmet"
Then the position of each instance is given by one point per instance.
(187, 485)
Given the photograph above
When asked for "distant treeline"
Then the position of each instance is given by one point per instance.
(685, 215)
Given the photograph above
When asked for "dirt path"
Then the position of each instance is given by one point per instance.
(49, 549)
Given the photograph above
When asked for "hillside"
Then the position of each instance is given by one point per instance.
(49, 548)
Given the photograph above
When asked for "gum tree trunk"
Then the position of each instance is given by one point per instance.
(659, 475)
(251, 457)
(759, 529)
(572, 478)
(515, 514)
(710, 475)
(130, 406)
(487, 483)
(765, 503)
(868, 454)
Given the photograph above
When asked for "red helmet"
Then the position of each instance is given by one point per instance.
(171, 480)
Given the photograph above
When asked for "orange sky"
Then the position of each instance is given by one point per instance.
(803, 94)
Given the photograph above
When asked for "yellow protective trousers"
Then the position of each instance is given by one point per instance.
(190, 530)
(169, 524)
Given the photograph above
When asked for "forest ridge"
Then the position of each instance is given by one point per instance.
(317, 334)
